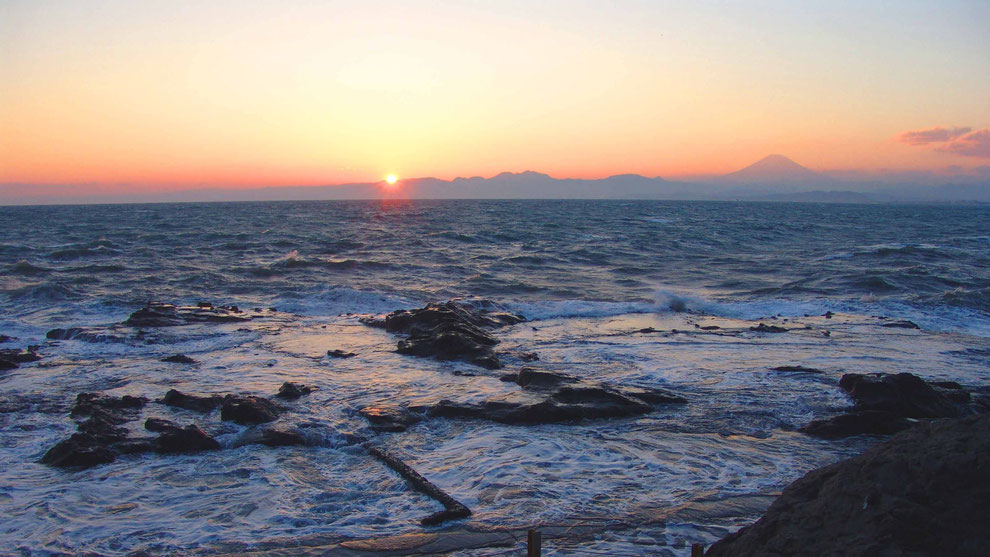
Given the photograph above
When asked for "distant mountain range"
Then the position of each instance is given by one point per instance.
(772, 178)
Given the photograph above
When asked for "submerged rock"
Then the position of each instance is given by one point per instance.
(179, 359)
(192, 402)
(902, 325)
(801, 369)
(292, 391)
(448, 331)
(923, 492)
(157, 314)
(764, 328)
(340, 354)
(249, 410)
(90, 403)
(871, 422)
(88, 335)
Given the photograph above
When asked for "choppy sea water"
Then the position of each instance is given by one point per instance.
(588, 276)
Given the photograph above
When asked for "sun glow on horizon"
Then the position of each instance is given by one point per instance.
(391, 179)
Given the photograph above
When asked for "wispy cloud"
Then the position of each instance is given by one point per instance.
(975, 144)
(932, 135)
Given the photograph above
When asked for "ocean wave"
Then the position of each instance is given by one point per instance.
(23, 267)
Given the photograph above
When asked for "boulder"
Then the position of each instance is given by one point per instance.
(389, 418)
(923, 492)
(19, 356)
(157, 314)
(118, 407)
(885, 404)
(249, 410)
(272, 438)
(448, 331)
(80, 450)
(189, 439)
(902, 394)
(292, 391)
(192, 402)
(858, 423)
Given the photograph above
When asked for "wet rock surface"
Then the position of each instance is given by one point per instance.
(192, 402)
(901, 325)
(179, 359)
(885, 404)
(271, 437)
(340, 354)
(923, 492)
(293, 391)
(544, 397)
(249, 410)
(157, 314)
(12, 358)
(448, 331)
(764, 328)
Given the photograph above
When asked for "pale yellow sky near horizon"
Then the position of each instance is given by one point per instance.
(175, 94)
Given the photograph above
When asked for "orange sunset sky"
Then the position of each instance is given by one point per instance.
(172, 95)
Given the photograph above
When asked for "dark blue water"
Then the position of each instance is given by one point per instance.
(317, 257)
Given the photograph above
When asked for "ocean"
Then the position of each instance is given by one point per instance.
(614, 291)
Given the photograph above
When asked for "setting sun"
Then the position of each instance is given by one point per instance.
(391, 179)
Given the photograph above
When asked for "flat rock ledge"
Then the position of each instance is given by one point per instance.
(885, 404)
(450, 331)
(923, 492)
(543, 397)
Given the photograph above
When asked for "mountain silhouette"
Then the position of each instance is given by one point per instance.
(777, 171)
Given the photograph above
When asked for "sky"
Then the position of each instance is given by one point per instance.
(151, 95)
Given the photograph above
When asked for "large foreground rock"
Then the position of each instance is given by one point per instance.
(923, 492)
(885, 404)
(448, 331)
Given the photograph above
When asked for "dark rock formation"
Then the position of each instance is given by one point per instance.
(88, 335)
(249, 410)
(902, 325)
(159, 425)
(801, 369)
(272, 438)
(550, 397)
(192, 402)
(389, 418)
(292, 391)
(5, 338)
(448, 331)
(903, 394)
(157, 314)
(189, 439)
(886, 404)
(452, 509)
(89, 403)
(764, 328)
(11, 358)
(858, 423)
(179, 359)
(82, 449)
(923, 492)
(340, 354)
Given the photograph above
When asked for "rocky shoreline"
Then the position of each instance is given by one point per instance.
(951, 416)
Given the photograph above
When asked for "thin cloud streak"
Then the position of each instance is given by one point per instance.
(933, 135)
(976, 144)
